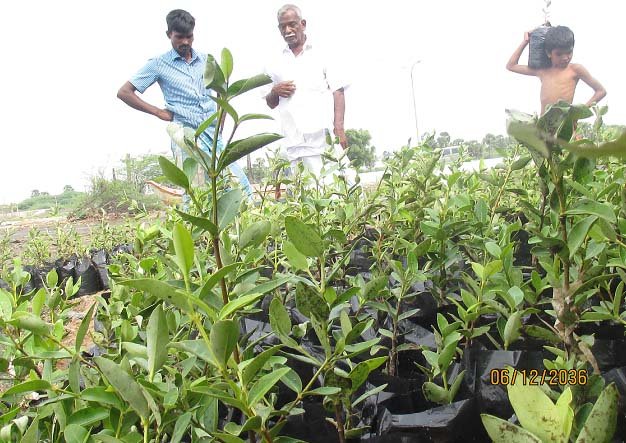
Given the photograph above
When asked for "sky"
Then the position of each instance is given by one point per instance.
(63, 123)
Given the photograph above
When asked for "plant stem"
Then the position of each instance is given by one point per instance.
(340, 424)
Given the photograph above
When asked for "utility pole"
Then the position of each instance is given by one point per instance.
(417, 134)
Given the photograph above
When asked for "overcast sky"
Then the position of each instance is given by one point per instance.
(65, 60)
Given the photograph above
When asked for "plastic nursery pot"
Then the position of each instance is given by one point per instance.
(361, 259)
(311, 426)
(101, 259)
(456, 422)
(65, 269)
(609, 343)
(90, 277)
(401, 396)
(482, 381)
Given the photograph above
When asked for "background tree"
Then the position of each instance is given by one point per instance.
(360, 152)
(68, 188)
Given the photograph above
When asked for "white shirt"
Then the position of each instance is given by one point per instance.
(310, 110)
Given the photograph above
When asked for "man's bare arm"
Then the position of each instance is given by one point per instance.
(339, 100)
(127, 94)
(598, 90)
(513, 63)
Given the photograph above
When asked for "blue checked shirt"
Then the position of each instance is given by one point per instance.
(182, 85)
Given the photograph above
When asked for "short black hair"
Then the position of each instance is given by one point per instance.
(180, 21)
(559, 37)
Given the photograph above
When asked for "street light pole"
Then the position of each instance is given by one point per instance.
(417, 134)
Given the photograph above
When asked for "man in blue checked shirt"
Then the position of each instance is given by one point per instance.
(179, 73)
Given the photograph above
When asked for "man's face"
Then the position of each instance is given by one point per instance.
(181, 42)
(292, 29)
(561, 57)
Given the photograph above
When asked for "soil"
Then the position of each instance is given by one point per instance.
(16, 225)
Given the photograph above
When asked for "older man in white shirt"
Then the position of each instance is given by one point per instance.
(305, 89)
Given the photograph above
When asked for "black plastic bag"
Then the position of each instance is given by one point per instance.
(456, 422)
(101, 260)
(492, 398)
(537, 57)
(90, 277)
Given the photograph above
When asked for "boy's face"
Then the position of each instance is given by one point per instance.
(560, 57)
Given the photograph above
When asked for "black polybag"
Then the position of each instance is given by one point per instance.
(537, 57)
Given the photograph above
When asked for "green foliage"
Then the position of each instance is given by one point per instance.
(542, 420)
(360, 153)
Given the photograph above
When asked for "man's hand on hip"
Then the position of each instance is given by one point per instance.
(284, 89)
(165, 115)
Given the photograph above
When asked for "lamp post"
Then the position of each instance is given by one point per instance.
(417, 134)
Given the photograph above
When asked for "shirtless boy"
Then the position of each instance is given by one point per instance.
(558, 82)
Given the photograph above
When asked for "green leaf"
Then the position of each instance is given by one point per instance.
(296, 259)
(205, 124)
(29, 322)
(99, 394)
(245, 85)
(264, 384)
(213, 75)
(446, 356)
(84, 327)
(183, 246)
(173, 173)
(227, 63)
(493, 249)
(161, 290)
(216, 277)
(243, 118)
(501, 431)
(203, 223)
(27, 386)
(310, 303)
(32, 433)
(227, 438)
(591, 207)
(324, 391)
(601, 422)
(292, 380)
(228, 207)
(157, 339)
(195, 347)
(369, 393)
(523, 127)
(516, 294)
(520, 163)
(541, 333)
(257, 363)
(279, 318)
(226, 107)
(38, 301)
(576, 236)
(361, 371)
(223, 337)
(182, 423)
(435, 393)
(535, 411)
(304, 237)
(255, 234)
(237, 304)
(75, 434)
(616, 148)
(125, 385)
(89, 416)
(512, 328)
(240, 148)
